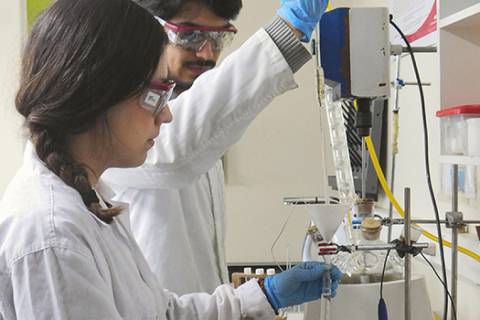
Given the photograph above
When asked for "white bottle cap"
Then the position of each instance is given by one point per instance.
(247, 270)
(270, 272)
(259, 272)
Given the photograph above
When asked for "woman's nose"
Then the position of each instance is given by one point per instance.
(165, 116)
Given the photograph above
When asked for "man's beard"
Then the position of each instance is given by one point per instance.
(182, 85)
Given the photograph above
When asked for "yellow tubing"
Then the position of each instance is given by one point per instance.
(388, 192)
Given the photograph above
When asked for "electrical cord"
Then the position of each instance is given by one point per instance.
(382, 306)
(443, 283)
(278, 237)
(383, 273)
(427, 166)
(382, 302)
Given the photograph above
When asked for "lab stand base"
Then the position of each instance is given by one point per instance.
(360, 301)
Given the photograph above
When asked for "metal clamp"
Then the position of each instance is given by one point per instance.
(403, 248)
(454, 219)
(398, 83)
(399, 245)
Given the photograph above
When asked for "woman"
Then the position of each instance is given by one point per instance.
(93, 94)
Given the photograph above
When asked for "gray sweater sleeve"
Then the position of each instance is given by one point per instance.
(289, 45)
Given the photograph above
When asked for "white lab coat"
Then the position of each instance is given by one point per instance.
(59, 261)
(180, 224)
(181, 230)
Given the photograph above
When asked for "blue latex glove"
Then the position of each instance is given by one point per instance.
(302, 14)
(300, 284)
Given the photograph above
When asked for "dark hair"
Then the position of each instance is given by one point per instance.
(166, 9)
(82, 58)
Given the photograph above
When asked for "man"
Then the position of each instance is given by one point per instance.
(177, 197)
(187, 62)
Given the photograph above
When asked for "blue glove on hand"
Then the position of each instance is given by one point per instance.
(302, 14)
(300, 284)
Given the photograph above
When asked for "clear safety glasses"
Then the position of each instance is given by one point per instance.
(156, 96)
(195, 37)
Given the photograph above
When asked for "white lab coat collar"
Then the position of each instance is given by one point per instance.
(104, 192)
(31, 159)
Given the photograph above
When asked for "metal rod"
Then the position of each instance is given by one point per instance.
(413, 83)
(455, 188)
(387, 246)
(398, 61)
(396, 109)
(420, 49)
(454, 270)
(397, 50)
(326, 250)
(408, 257)
(308, 200)
(424, 221)
(454, 243)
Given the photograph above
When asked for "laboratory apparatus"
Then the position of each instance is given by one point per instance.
(355, 56)
(356, 67)
(353, 63)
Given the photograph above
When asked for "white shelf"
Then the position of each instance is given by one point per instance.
(468, 18)
(462, 160)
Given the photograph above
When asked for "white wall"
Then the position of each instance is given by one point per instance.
(12, 29)
(278, 156)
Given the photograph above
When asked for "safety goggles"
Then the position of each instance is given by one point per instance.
(195, 37)
(156, 96)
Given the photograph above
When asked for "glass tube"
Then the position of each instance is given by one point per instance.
(338, 140)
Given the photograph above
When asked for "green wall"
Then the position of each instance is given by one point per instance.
(34, 7)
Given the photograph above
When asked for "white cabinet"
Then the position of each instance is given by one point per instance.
(459, 71)
(459, 52)
(459, 59)
(450, 7)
